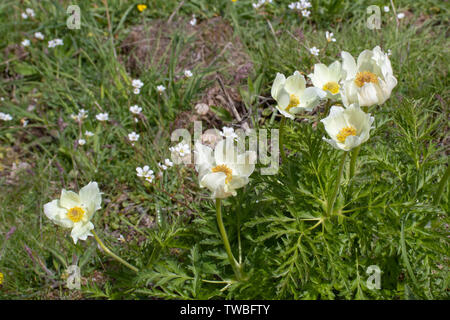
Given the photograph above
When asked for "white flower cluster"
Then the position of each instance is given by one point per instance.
(182, 149)
(25, 43)
(302, 5)
(188, 73)
(137, 85)
(260, 3)
(5, 116)
(82, 114)
(167, 163)
(28, 13)
(55, 42)
(146, 173)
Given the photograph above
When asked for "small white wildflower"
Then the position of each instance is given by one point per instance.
(5, 116)
(168, 163)
(314, 51)
(193, 22)
(188, 73)
(30, 12)
(162, 166)
(25, 43)
(133, 136)
(88, 133)
(82, 114)
(389, 52)
(306, 13)
(136, 91)
(39, 35)
(228, 132)
(160, 89)
(386, 8)
(81, 142)
(24, 15)
(401, 15)
(136, 120)
(150, 178)
(137, 83)
(55, 42)
(24, 122)
(135, 109)
(329, 36)
(102, 117)
(292, 6)
(143, 172)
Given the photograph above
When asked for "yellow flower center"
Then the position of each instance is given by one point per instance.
(1, 278)
(365, 77)
(332, 87)
(76, 214)
(141, 7)
(293, 102)
(223, 168)
(345, 132)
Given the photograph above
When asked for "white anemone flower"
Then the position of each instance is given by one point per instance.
(223, 171)
(75, 210)
(327, 78)
(292, 95)
(368, 81)
(347, 127)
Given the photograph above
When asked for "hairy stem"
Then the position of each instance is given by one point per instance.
(112, 254)
(237, 268)
(337, 184)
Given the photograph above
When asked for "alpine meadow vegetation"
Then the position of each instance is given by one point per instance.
(320, 170)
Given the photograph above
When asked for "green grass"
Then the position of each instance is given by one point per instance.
(384, 216)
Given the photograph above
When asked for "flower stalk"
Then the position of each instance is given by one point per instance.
(282, 125)
(330, 206)
(237, 267)
(112, 254)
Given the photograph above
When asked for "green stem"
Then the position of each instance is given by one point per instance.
(112, 254)
(237, 268)
(336, 186)
(441, 187)
(282, 124)
(355, 153)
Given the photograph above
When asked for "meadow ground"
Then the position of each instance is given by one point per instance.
(391, 212)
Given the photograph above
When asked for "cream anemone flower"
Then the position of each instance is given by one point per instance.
(347, 127)
(368, 81)
(292, 95)
(75, 210)
(223, 170)
(327, 78)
